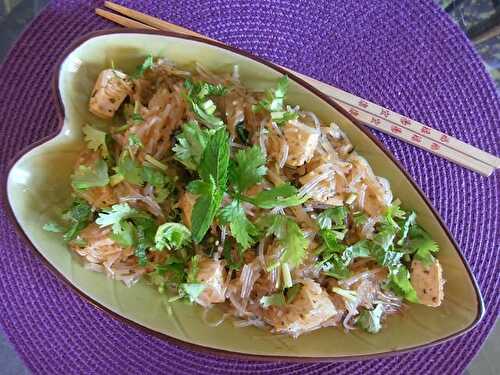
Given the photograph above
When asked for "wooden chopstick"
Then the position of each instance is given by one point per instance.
(124, 21)
(369, 113)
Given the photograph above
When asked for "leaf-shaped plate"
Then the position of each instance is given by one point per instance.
(38, 189)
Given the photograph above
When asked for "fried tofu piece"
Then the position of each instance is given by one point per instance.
(308, 311)
(110, 90)
(186, 204)
(428, 282)
(326, 191)
(211, 274)
(302, 141)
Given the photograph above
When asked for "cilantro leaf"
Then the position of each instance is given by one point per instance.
(114, 215)
(422, 245)
(284, 195)
(53, 227)
(242, 229)
(172, 236)
(141, 69)
(191, 143)
(385, 238)
(292, 292)
(163, 185)
(274, 103)
(359, 218)
(399, 283)
(360, 249)
(191, 290)
(369, 320)
(124, 234)
(96, 140)
(334, 266)
(171, 271)
(394, 212)
(202, 107)
(86, 177)
(407, 225)
(233, 258)
(290, 237)
(248, 168)
(138, 232)
(276, 299)
(129, 169)
(334, 217)
(386, 258)
(331, 240)
(194, 268)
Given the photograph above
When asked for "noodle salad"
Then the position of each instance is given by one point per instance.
(222, 196)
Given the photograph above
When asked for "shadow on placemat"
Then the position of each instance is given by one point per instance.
(10, 363)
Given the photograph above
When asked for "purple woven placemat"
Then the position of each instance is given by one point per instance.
(406, 55)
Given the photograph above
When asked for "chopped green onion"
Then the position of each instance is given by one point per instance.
(287, 276)
(115, 179)
(156, 163)
(349, 294)
(350, 200)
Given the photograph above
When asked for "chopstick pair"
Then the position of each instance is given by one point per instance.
(370, 114)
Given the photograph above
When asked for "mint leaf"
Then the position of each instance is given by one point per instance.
(213, 170)
(369, 320)
(79, 215)
(205, 209)
(242, 229)
(191, 143)
(215, 159)
(172, 236)
(86, 177)
(284, 195)
(248, 168)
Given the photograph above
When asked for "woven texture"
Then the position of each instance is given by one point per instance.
(405, 55)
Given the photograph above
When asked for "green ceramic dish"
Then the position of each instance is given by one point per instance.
(38, 189)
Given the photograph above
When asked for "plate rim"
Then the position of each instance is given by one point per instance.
(56, 97)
